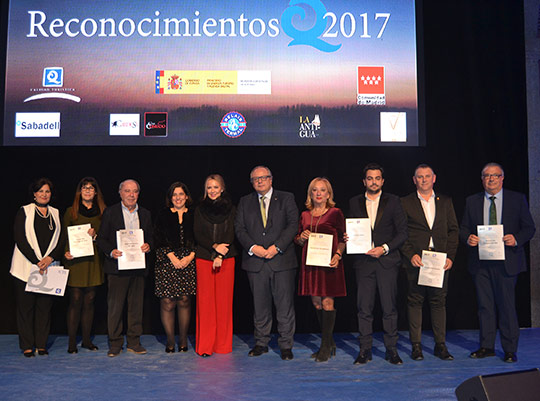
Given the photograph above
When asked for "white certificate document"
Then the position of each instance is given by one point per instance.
(130, 242)
(432, 273)
(80, 242)
(319, 250)
(359, 232)
(53, 282)
(491, 245)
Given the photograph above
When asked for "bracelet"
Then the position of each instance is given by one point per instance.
(220, 256)
(340, 255)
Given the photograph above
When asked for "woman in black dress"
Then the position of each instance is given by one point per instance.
(175, 264)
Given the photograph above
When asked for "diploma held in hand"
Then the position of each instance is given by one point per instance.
(52, 282)
(359, 232)
(319, 250)
(432, 273)
(491, 244)
(130, 242)
(80, 242)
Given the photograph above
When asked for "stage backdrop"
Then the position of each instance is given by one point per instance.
(475, 113)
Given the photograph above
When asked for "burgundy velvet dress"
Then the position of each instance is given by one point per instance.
(322, 281)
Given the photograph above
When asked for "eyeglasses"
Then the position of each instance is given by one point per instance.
(488, 176)
(88, 188)
(261, 178)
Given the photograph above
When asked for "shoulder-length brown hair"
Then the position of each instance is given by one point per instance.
(330, 202)
(98, 198)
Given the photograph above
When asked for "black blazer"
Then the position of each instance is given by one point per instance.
(281, 227)
(517, 220)
(445, 230)
(390, 227)
(111, 222)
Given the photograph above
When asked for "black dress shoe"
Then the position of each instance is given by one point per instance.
(363, 357)
(90, 347)
(182, 349)
(510, 357)
(29, 353)
(258, 350)
(392, 356)
(416, 353)
(286, 354)
(72, 350)
(205, 355)
(42, 351)
(440, 351)
(482, 353)
(169, 350)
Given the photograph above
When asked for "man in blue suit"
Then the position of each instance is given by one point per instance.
(495, 280)
(266, 223)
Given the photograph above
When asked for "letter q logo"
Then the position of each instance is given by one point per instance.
(53, 77)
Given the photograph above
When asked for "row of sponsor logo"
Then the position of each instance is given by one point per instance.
(393, 125)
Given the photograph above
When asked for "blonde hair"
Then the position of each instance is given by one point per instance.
(215, 177)
(329, 202)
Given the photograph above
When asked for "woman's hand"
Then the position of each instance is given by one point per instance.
(44, 263)
(217, 264)
(222, 249)
(68, 255)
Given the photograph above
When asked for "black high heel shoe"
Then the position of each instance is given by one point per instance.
(182, 349)
(42, 351)
(169, 350)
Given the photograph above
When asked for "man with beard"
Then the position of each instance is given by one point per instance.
(378, 268)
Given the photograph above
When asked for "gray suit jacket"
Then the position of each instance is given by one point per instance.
(281, 227)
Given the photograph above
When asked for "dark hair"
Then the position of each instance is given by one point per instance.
(37, 184)
(98, 199)
(373, 166)
(423, 165)
(170, 192)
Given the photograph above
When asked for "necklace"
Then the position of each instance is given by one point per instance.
(318, 220)
(45, 216)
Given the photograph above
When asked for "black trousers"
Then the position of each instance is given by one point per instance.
(122, 288)
(33, 317)
(437, 305)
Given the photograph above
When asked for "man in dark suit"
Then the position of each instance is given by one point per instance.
(432, 225)
(495, 280)
(124, 284)
(266, 223)
(379, 267)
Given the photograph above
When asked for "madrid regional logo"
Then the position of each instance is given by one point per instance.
(233, 124)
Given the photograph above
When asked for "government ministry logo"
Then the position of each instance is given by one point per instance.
(233, 124)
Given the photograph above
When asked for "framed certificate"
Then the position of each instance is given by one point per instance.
(359, 232)
(80, 242)
(130, 242)
(319, 250)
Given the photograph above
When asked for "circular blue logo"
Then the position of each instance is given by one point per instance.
(233, 124)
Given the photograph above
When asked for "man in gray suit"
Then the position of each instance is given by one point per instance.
(266, 223)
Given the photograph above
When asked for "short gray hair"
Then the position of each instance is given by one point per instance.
(256, 167)
(492, 164)
(129, 179)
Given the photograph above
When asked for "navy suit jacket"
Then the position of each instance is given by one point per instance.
(516, 219)
(281, 227)
(445, 229)
(111, 222)
(390, 227)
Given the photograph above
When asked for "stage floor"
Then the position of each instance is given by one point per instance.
(186, 376)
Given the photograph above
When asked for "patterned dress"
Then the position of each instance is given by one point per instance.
(171, 236)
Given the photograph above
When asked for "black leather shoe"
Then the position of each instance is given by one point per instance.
(286, 354)
(510, 357)
(169, 350)
(29, 353)
(392, 356)
(416, 353)
(90, 347)
(258, 350)
(482, 353)
(72, 350)
(182, 349)
(205, 355)
(42, 351)
(363, 357)
(440, 351)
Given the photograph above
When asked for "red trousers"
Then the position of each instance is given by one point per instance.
(214, 307)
